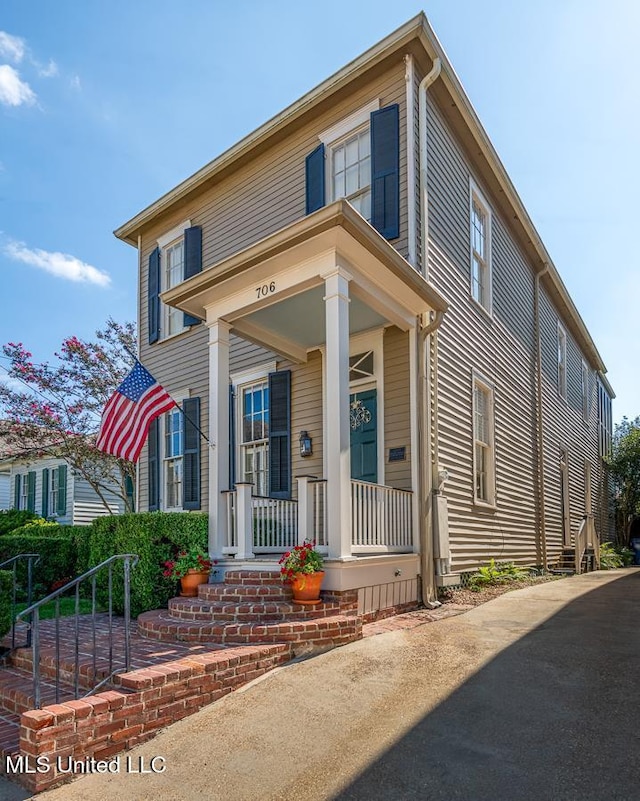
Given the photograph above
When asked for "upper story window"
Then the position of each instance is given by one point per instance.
(480, 219)
(350, 165)
(605, 422)
(54, 490)
(172, 275)
(483, 444)
(584, 390)
(24, 492)
(177, 257)
(562, 362)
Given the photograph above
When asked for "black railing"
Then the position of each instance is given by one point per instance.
(31, 615)
(32, 560)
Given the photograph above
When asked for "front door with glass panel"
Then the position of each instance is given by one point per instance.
(363, 423)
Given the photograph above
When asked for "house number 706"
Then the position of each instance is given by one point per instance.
(266, 289)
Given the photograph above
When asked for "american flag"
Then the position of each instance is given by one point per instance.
(129, 412)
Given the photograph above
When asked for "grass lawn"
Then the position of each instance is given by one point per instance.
(67, 608)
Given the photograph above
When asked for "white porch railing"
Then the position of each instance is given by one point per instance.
(258, 525)
(381, 518)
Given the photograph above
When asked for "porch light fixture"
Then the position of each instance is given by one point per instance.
(306, 444)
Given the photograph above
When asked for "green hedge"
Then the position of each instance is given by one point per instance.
(12, 518)
(6, 584)
(58, 560)
(155, 537)
(38, 528)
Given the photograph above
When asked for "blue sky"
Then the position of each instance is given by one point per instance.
(104, 106)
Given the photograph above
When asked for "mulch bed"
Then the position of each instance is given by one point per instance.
(467, 597)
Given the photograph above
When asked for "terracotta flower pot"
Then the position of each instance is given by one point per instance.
(306, 587)
(189, 584)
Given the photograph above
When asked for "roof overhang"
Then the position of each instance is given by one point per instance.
(259, 290)
(415, 34)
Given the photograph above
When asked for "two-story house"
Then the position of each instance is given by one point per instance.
(354, 305)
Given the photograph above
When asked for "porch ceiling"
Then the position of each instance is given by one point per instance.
(272, 292)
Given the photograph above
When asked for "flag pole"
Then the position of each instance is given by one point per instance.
(190, 421)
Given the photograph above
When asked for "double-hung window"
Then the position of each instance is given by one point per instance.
(350, 162)
(254, 435)
(584, 387)
(483, 444)
(173, 460)
(562, 362)
(480, 219)
(172, 275)
(54, 490)
(24, 491)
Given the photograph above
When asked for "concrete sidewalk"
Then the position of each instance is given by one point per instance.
(532, 696)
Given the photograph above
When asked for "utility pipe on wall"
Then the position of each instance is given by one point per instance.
(426, 398)
(542, 527)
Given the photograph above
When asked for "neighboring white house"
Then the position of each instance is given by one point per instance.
(50, 488)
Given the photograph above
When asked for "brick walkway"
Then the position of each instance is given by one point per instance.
(409, 620)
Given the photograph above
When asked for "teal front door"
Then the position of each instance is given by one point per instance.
(363, 422)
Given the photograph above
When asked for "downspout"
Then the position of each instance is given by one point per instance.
(412, 233)
(427, 379)
(542, 527)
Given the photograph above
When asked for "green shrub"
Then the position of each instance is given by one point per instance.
(155, 537)
(12, 518)
(6, 584)
(612, 556)
(37, 528)
(496, 573)
(57, 560)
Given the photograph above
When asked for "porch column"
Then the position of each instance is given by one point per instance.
(338, 467)
(218, 434)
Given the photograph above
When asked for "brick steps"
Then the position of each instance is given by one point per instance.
(312, 635)
(247, 593)
(16, 690)
(246, 611)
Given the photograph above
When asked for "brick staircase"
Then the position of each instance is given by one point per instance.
(229, 635)
(256, 607)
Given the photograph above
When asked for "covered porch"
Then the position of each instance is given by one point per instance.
(342, 311)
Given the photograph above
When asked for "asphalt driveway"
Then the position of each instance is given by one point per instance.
(530, 697)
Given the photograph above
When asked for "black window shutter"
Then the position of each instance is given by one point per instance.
(153, 456)
(232, 438)
(280, 434)
(45, 493)
(31, 491)
(385, 171)
(62, 490)
(192, 261)
(16, 491)
(191, 457)
(154, 293)
(314, 171)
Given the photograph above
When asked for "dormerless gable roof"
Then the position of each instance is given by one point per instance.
(416, 32)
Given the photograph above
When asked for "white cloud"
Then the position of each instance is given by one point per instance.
(61, 265)
(75, 83)
(50, 71)
(12, 47)
(14, 91)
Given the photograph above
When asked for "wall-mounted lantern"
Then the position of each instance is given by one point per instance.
(306, 444)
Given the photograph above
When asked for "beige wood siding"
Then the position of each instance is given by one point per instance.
(501, 348)
(397, 422)
(261, 197)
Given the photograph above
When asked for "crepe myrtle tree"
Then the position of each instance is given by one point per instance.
(624, 469)
(54, 409)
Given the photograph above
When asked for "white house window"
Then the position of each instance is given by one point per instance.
(173, 274)
(483, 449)
(584, 385)
(480, 249)
(24, 491)
(605, 422)
(350, 161)
(173, 461)
(254, 435)
(54, 477)
(562, 362)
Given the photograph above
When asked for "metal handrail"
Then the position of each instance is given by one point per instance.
(130, 560)
(13, 561)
